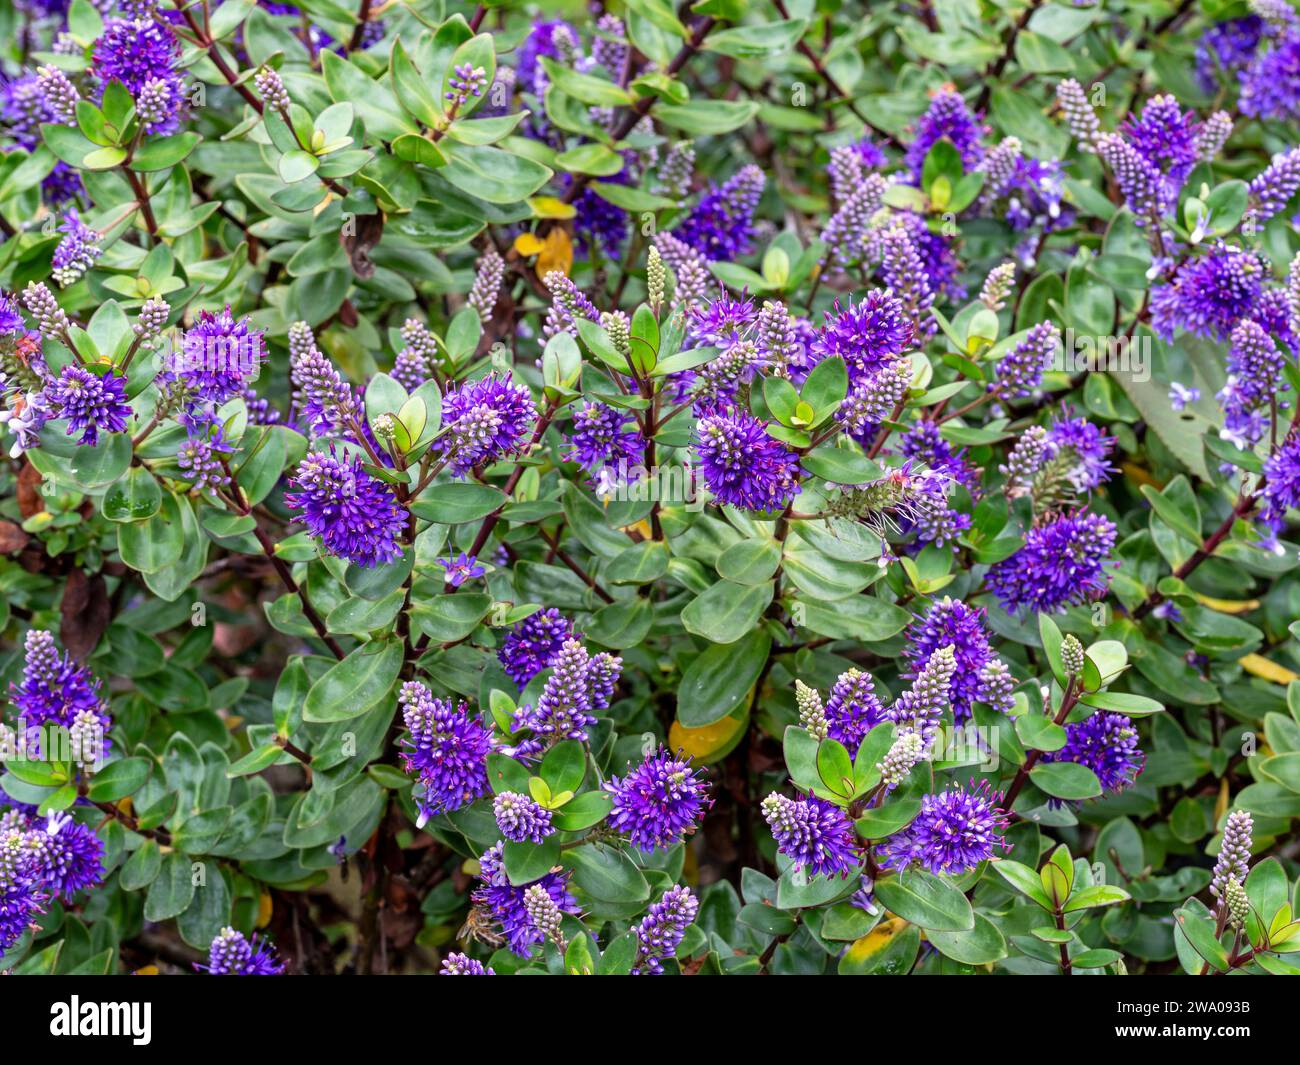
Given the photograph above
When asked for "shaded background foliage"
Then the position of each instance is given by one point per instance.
(818, 253)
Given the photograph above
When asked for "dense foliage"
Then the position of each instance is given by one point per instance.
(790, 486)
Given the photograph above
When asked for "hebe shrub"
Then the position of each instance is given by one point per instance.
(647, 488)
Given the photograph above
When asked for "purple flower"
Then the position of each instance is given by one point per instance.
(742, 465)
(662, 929)
(322, 398)
(532, 645)
(54, 689)
(721, 322)
(1146, 191)
(816, 835)
(659, 802)
(1233, 861)
(1281, 484)
(579, 684)
(1086, 449)
(486, 420)
(1273, 188)
(868, 335)
(541, 42)
(446, 750)
(951, 623)
(11, 318)
(955, 831)
(604, 435)
(1020, 371)
(1165, 136)
(1254, 380)
(853, 709)
(1226, 48)
(922, 706)
(905, 271)
(947, 118)
(200, 458)
(1270, 86)
(924, 444)
(1209, 295)
(520, 819)
(69, 856)
(461, 569)
(597, 222)
(356, 516)
(233, 954)
(456, 964)
(1062, 563)
(721, 225)
(77, 251)
(90, 403)
(1105, 743)
(504, 903)
(872, 399)
(569, 305)
(141, 53)
(21, 897)
(1180, 396)
(219, 358)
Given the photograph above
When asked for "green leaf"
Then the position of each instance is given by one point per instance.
(351, 687)
(526, 862)
(171, 892)
(980, 945)
(701, 118)
(882, 821)
(801, 750)
(925, 900)
(136, 497)
(835, 768)
(1198, 931)
(164, 153)
(727, 611)
(116, 780)
(142, 868)
(757, 41)
(720, 679)
(607, 873)
(457, 502)
(564, 766)
(583, 811)
(494, 174)
(1089, 898)
(586, 88)
(1066, 780)
(840, 465)
(448, 618)
(1023, 879)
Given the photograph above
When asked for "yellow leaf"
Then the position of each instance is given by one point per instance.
(1228, 606)
(148, 970)
(528, 244)
(1260, 666)
(642, 527)
(876, 940)
(551, 207)
(701, 743)
(264, 906)
(556, 254)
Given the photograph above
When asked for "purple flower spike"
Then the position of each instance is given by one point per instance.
(356, 516)
(659, 802)
(955, 831)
